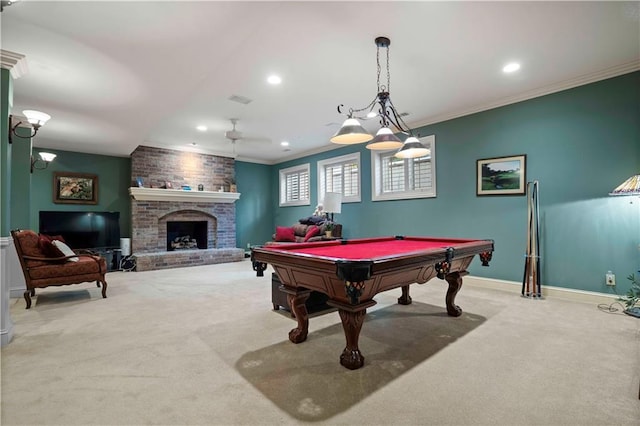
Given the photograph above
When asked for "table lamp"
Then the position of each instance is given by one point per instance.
(332, 203)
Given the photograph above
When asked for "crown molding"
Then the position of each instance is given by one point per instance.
(16, 63)
(535, 93)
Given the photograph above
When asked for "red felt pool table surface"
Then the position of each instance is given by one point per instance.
(371, 248)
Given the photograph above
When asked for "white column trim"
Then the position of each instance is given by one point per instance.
(6, 324)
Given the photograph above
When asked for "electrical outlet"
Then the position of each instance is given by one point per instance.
(610, 278)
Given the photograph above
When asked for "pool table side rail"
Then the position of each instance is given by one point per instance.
(322, 273)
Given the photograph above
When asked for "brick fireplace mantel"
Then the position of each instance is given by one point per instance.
(157, 194)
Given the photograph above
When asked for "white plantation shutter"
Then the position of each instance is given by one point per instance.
(294, 186)
(340, 174)
(396, 178)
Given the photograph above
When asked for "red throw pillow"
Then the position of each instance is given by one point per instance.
(45, 243)
(311, 232)
(284, 233)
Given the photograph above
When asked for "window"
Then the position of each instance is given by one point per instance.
(396, 178)
(340, 174)
(294, 186)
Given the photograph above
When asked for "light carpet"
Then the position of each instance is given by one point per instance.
(202, 345)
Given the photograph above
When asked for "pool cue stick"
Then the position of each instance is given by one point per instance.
(527, 263)
(534, 247)
(538, 238)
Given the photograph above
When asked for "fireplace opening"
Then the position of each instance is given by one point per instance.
(186, 235)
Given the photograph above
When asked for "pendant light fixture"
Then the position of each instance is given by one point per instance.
(352, 131)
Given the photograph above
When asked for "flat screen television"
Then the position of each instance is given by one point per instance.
(83, 230)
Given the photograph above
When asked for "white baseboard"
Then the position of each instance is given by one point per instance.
(547, 291)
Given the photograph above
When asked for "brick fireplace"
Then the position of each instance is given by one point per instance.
(153, 208)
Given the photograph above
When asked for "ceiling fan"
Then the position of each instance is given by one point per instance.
(235, 135)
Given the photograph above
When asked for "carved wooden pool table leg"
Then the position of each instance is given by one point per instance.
(296, 300)
(352, 317)
(351, 356)
(405, 299)
(455, 283)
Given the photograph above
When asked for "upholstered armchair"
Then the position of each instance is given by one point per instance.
(42, 268)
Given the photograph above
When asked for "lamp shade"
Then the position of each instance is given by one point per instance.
(351, 132)
(384, 140)
(332, 202)
(630, 186)
(412, 148)
(47, 156)
(36, 117)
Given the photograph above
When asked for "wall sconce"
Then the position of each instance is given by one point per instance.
(42, 162)
(35, 118)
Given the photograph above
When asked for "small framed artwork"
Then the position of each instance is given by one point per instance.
(501, 175)
(75, 188)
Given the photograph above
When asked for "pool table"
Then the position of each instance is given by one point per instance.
(352, 272)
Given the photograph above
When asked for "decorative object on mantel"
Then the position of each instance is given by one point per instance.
(232, 184)
(168, 185)
(156, 194)
(200, 187)
(139, 182)
(186, 188)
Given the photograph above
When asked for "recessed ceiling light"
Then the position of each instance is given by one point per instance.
(284, 143)
(511, 67)
(274, 79)
(202, 128)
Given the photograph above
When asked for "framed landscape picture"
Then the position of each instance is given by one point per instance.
(501, 175)
(75, 188)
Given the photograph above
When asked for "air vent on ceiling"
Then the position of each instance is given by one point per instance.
(240, 99)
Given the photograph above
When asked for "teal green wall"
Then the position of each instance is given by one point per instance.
(254, 209)
(114, 180)
(580, 144)
(21, 179)
(6, 102)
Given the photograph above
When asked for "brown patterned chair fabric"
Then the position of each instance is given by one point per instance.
(41, 271)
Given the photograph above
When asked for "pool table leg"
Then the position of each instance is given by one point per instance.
(405, 299)
(455, 283)
(297, 301)
(351, 356)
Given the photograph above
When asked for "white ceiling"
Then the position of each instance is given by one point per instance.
(115, 75)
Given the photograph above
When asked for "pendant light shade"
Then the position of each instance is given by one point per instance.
(385, 140)
(351, 132)
(412, 148)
